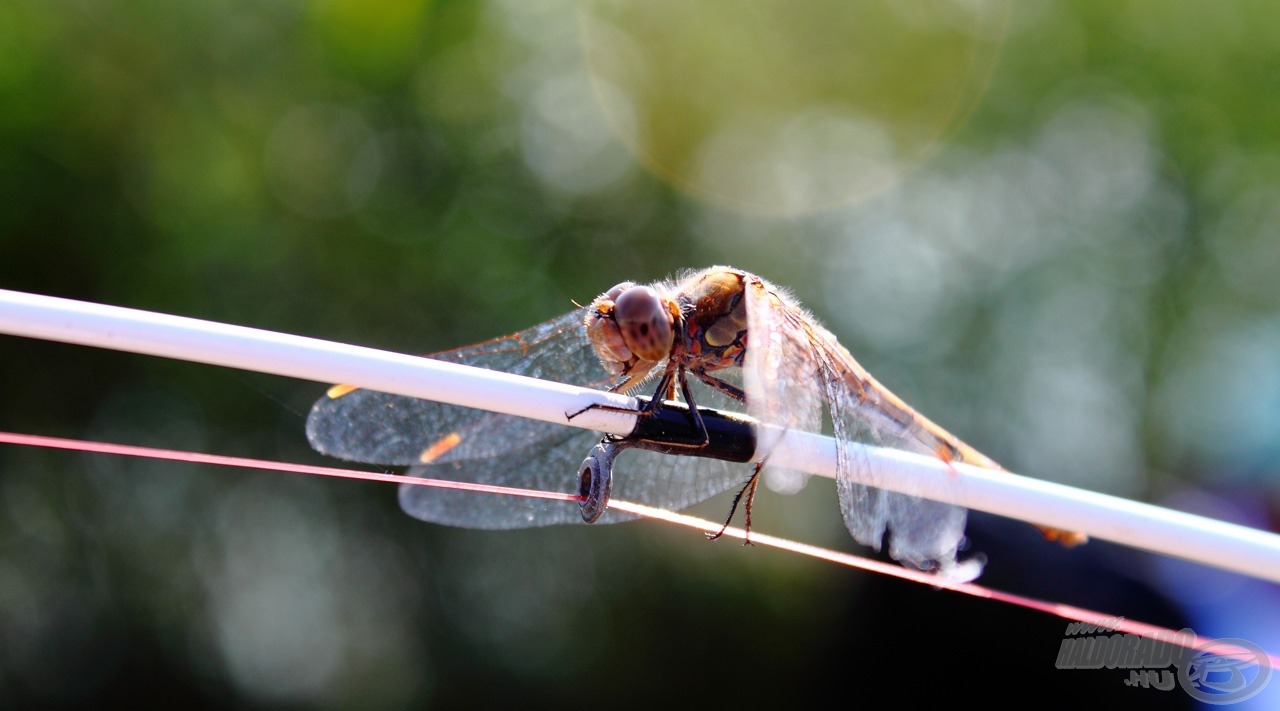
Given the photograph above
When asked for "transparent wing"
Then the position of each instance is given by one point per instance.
(795, 366)
(380, 428)
(660, 480)
(781, 376)
(922, 532)
(469, 445)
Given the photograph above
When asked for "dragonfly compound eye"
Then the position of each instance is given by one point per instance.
(645, 323)
(612, 294)
(595, 479)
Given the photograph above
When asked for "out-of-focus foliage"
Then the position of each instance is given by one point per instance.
(767, 109)
(1052, 226)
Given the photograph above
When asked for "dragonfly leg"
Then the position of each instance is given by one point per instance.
(703, 436)
(660, 393)
(752, 485)
(666, 385)
(597, 406)
(748, 490)
(693, 410)
(729, 389)
(653, 405)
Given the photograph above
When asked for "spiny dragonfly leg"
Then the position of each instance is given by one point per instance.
(651, 406)
(749, 490)
(696, 416)
(702, 436)
(729, 389)
(662, 392)
(607, 408)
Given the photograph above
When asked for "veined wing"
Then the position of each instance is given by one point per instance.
(660, 480)
(380, 428)
(781, 376)
(794, 365)
(468, 445)
(922, 532)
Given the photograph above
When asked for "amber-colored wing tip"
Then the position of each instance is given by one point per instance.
(1069, 539)
(439, 447)
(338, 391)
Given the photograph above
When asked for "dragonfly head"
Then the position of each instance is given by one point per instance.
(631, 327)
(645, 322)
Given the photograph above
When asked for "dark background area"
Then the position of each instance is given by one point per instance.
(1053, 227)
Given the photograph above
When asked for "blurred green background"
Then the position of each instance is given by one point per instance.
(1053, 227)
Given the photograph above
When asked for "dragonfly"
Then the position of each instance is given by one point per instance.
(720, 338)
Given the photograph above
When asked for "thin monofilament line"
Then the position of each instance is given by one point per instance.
(1068, 612)
(1173, 533)
(178, 455)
